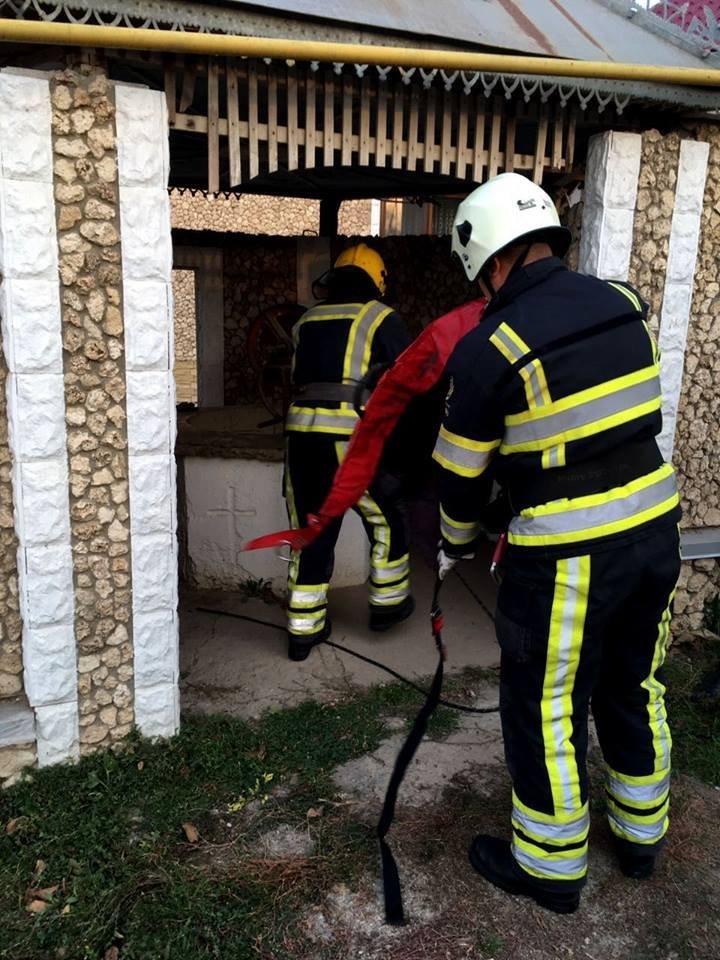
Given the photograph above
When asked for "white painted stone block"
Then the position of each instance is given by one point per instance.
(682, 254)
(610, 192)
(41, 490)
(155, 647)
(47, 591)
(27, 229)
(154, 572)
(38, 415)
(148, 412)
(677, 300)
(151, 495)
(692, 171)
(232, 501)
(146, 243)
(50, 664)
(57, 733)
(157, 709)
(31, 325)
(147, 325)
(25, 117)
(143, 137)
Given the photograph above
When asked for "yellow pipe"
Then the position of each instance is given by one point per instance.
(214, 44)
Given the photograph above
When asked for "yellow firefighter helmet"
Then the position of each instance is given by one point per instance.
(366, 259)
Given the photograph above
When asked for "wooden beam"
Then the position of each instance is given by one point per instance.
(233, 123)
(364, 153)
(557, 148)
(213, 135)
(570, 140)
(446, 149)
(510, 128)
(188, 86)
(479, 151)
(462, 139)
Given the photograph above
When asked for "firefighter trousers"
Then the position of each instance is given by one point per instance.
(585, 631)
(311, 462)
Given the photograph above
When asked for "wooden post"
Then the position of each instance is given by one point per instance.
(542, 131)
(510, 126)
(310, 121)
(329, 210)
(233, 112)
(292, 118)
(347, 117)
(253, 119)
(462, 138)
(480, 157)
(557, 149)
(429, 158)
(381, 132)
(170, 87)
(570, 142)
(213, 134)
(446, 141)
(188, 86)
(413, 124)
(494, 158)
(272, 101)
(329, 121)
(364, 155)
(397, 126)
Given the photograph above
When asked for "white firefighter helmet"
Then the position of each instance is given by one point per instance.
(502, 211)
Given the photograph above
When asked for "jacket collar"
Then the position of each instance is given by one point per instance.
(524, 279)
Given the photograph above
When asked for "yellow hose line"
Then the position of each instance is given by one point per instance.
(214, 44)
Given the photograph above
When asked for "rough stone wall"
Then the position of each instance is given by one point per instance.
(185, 329)
(85, 164)
(11, 682)
(653, 219)
(698, 432)
(258, 214)
(259, 273)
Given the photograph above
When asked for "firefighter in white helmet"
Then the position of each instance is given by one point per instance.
(556, 395)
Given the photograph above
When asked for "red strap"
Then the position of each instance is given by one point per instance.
(296, 539)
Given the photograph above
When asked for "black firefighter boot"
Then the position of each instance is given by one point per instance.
(299, 648)
(383, 618)
(493, 859)
(634, 862)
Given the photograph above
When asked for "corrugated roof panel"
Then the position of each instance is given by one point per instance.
(578, 29)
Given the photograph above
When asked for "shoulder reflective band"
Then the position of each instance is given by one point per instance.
(320, 420)
(584, 414)
(466, 458)
(359, 345)
(515, 350)
(598, 515)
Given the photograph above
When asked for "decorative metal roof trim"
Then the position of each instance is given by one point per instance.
(166, 15)
(700, 38)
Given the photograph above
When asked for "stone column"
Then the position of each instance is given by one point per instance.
(86, 192)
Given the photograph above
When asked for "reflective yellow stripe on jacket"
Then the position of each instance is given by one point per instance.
(366, 318)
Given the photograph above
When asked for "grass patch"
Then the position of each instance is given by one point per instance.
(103, 841)
(694, 721)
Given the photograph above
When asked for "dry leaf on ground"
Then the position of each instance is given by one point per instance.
(191, 832)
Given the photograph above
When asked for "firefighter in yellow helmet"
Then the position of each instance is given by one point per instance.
(556, 395)
(336, 344)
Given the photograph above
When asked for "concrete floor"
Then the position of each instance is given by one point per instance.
(232, 666)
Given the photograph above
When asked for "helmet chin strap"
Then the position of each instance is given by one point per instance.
(517, 265)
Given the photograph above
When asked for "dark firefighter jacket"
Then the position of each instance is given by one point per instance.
(556, 395)
(337, 344)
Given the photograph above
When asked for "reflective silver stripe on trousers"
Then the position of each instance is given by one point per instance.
(356, 369)
(554, 868)
(459, 535)
(570, 520)
(389, 599)
(552, 832)
(387, 574)
(307, 598)
(632, 794)
(582, 415)
(554, 457)
(531, 368)
(639, 832)
(342, 420)
(306, 625)
(475, 460)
